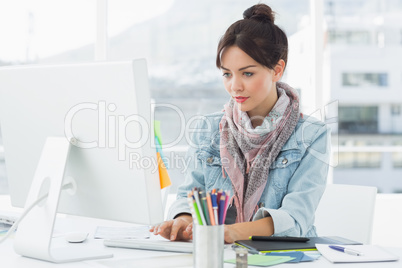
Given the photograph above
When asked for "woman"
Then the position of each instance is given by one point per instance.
(273, 159)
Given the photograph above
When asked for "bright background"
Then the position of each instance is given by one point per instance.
(343, 60)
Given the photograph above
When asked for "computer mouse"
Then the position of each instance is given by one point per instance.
(76, 237)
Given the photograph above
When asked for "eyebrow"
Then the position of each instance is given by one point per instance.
(243, 68)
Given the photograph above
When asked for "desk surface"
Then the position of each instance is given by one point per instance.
(143, 258)
(139, 258)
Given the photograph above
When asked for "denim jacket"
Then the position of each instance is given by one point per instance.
(296, 179)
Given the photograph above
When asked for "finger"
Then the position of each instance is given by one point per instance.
(164, 226)
(176, 228)
(189, 228)
(155, 229)
(152, 228)
(165, 229)
(228, 235)
(185, 235)
(188, 232)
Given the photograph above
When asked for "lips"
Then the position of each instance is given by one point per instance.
(239, 99)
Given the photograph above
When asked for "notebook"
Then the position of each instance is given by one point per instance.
(371, 254)
(269, 246)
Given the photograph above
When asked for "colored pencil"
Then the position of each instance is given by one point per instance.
(190, 203)
(205, 207)
(211, 212)
(226, 205)
(222, 207)
(197, 200)
(215, 207)
(197, 212)
(218, 197)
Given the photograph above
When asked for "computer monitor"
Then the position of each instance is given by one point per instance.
(89, 124)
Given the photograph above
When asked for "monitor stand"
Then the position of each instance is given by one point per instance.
(34, 235)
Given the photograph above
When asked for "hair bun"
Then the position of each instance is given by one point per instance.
(259, 12)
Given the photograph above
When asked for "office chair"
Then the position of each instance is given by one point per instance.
(346, 211)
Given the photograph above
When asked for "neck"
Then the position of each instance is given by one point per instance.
(257, 115)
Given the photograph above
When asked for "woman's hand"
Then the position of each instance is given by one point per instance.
(231, 234)
(242, 231)
(180, 228)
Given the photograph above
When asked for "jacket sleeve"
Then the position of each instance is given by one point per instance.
(295, 217)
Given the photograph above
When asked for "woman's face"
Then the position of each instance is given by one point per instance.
(251, 85)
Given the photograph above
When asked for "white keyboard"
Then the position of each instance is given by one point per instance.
(150, 244)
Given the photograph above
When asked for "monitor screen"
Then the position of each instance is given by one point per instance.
(104, 109)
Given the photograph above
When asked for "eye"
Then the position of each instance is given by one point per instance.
(226, 74)
(248, 74)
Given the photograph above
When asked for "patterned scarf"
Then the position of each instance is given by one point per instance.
(248, 153)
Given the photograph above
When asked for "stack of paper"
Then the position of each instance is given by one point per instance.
(370, 254)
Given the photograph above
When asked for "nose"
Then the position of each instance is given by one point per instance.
(236, 84)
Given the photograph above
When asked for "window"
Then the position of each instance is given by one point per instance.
(47, 31)
(381, 39)
(365, 79)
(349, 37)
(180, 47)
(359, 160)
(397, 160)
(358, 119)
(179, 39)
(401, 37)
(395, 109)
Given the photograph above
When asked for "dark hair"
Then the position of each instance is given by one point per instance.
(258, 36)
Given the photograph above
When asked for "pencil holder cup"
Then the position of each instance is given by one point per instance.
(208, 242)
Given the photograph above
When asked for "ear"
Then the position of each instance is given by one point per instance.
(278, 70)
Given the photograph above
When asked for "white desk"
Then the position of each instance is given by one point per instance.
(140, 258)
(143, 258)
